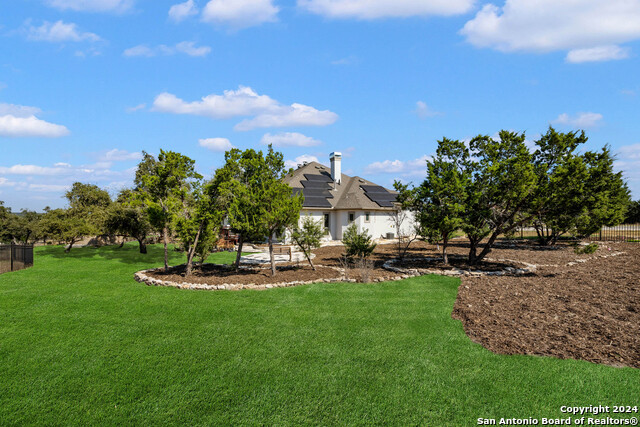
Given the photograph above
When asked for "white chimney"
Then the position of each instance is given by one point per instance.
(336, 166)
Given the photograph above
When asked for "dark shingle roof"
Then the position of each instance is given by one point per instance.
(314, 180)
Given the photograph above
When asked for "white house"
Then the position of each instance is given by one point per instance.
(338, 200)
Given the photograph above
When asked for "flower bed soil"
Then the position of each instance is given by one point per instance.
(587, 310)
(214, 274)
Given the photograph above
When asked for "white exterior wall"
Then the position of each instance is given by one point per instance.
(378, 226)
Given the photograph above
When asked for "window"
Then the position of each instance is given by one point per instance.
(367, 216)
(352, 216)
(326, 221)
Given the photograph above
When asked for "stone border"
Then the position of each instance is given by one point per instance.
(414, 272)
(142, 277)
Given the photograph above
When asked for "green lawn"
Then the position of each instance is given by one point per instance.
(82, 343)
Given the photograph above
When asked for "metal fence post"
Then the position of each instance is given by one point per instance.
(11, 255)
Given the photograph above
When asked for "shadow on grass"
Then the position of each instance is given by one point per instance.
(128, 254)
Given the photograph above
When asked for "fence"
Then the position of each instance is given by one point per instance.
(619, 233)
(15, 257)
(623, 232)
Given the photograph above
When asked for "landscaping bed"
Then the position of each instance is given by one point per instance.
(216, 274)
(575, 306)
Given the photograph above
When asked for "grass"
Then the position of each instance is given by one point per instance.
(81, 343)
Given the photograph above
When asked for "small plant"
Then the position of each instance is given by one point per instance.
(588, 249)
(308, 237)
(357, 245)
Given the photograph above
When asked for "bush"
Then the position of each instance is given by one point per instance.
(588, 249)
(357, 244)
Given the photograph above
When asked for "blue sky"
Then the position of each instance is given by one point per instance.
(86, 85)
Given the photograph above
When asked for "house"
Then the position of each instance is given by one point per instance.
(339, 200)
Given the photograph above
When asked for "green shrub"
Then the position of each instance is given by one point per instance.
(357, 244)
(588, 249)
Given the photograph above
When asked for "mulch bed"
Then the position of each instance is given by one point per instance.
(588, 311)
(214, 274)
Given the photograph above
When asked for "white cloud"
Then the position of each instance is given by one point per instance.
(18, 110)
(245, 101)
(580, 120)
(300, 160)
(59, 31)
(4, 182)
(241, 102)
(597, 54)
(416, 167)
(551, 25)
(29, 126)
(116, 155)
(238, 14)
(136, 108)
(216, 144)
(295, 115)
(92, 5)
(424, 111)
(373, 9)
(181, 11)
(289, 139)
(188, 48)
(33, 170)
(49, 188)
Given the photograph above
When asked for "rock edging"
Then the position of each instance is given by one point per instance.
(414, 272)
(142, 277)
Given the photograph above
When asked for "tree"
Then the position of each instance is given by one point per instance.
(438, 203)
(307, 237)
(163, 185)
(279, 208)
(399, 216)
(23, 227)
(127, 217)
(633, 213)
(5, 217)
(501, 183)
(243, 186)
(561, 175)
(65, 225)
(88, 203)
(607, 196)
(357, 244)
(198, 225)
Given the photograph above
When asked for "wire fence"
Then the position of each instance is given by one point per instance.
(15, 257)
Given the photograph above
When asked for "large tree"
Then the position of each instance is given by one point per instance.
(198, 224)
(279, 207)
(128, 218)
(65, 225)
(562, 174)
(438, 204)
(502, 182)
(238, 191)
(163, 185)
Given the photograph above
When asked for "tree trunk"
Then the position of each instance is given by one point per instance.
(68, 248)
(445, 256)
(192, 251)
(142, 245)
(124, 239)
(271, 256)
(487, 247)
(239, 253)
(166, 251)
(308, 255)
(473, 247)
